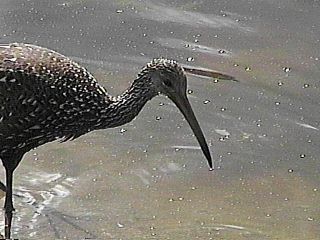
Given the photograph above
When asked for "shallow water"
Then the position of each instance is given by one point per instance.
(148, 179)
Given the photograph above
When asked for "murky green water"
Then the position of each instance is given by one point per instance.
(148, 179)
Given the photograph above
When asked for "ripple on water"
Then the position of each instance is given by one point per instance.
(181, 44)
(163, 13)
(37, 192)
(229, 230)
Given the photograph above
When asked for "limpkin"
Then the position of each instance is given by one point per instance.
(45, 96)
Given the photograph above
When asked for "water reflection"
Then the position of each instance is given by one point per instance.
(163, 13)
(39, 194)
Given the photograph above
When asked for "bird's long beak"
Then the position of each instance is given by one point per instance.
(183, 104)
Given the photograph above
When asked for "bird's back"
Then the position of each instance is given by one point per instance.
(43, 96)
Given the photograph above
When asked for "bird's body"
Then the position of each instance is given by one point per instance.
(45, 96)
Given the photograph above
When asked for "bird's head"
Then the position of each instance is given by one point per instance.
(167, 77)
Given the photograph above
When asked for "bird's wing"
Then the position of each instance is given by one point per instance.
(35, 82)
(39, 61)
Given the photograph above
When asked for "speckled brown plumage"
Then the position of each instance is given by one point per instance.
(45, 96)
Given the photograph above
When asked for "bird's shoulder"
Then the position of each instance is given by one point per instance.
(44, 64)
(33, 59)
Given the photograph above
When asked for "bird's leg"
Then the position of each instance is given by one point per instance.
(10, 163)
(8, 205)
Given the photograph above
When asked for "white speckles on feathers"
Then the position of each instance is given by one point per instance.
(45, 96)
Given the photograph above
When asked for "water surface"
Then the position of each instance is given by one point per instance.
(148, 179)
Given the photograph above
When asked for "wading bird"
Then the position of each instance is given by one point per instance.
(45, 96)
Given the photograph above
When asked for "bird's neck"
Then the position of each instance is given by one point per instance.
(127, 106)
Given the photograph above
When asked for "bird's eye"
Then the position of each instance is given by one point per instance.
(167, 82)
